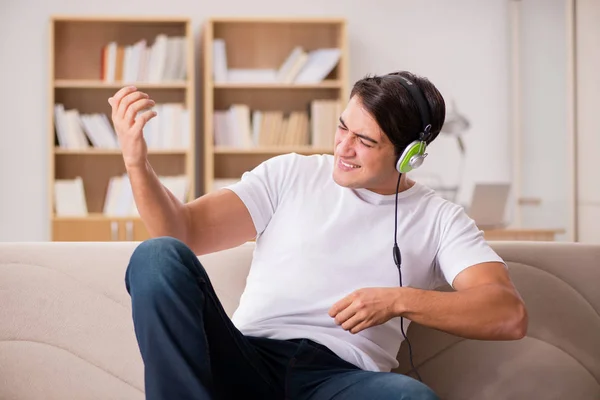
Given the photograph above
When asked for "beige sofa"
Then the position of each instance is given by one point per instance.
(66, 331)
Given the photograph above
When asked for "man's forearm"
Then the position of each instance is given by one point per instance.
(161, 212)
(488, 312)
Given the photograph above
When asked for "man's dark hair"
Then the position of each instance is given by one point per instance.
(394, 109)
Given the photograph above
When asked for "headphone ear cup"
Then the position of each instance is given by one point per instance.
(399, 166)
(412, 157)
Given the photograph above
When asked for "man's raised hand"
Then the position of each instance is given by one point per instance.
(131, 110)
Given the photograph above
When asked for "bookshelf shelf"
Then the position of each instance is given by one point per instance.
(121, 19)
(113, 152)
(279, 20)
(272, 150)
(90, 59)
(257, 79)
(332, 84)
(97, 84)
(95, 217)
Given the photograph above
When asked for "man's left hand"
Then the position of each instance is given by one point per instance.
(365, 308)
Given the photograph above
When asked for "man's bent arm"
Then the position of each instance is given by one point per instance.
(485, 305)
(162, 213)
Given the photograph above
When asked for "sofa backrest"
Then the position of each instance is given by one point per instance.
(560, 356)
(228, 271)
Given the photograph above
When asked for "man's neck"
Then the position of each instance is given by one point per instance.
(405, 184)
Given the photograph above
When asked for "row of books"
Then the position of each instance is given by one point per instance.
(170, 129)
(119, 195)
(241, 127)
(162, 61)
(70, 199)
(300, 66)
(78, 131)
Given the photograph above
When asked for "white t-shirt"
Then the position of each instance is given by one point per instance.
(317, 242)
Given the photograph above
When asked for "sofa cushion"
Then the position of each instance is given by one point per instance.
(65, 316)
(507, 370)
(33, 370)
(65, 323)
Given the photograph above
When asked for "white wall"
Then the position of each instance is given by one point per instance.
(461, 45)
(588, 104)
(546, 168)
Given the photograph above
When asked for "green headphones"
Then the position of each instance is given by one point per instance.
(414, 154)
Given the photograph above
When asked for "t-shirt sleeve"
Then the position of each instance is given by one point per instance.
(462, 245)
(262, 188)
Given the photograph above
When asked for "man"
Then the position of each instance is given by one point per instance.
(319, 315)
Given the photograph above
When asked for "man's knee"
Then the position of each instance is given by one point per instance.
(402, 387)
(414, 389)
(156, 261)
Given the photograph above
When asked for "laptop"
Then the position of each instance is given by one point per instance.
(488, 205)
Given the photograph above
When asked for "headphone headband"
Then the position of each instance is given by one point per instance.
(414, 154)
(419, 98)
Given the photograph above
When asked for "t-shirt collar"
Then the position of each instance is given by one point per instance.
(377, 199)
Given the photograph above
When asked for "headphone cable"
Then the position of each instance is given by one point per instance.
(398, 261)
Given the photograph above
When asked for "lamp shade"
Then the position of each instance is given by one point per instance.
(456, 124)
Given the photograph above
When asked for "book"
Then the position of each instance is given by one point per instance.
(319, 64)
(69, 198)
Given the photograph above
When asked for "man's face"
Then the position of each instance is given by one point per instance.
(363, 155)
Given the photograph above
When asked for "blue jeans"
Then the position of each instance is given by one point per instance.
(192, 350)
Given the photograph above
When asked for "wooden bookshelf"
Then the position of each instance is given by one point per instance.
(76, 80)
(264, 43)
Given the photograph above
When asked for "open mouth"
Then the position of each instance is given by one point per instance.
(347, 166)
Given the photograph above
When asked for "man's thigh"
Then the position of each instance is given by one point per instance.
(372, 386)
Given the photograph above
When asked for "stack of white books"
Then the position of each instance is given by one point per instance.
(300, 66)
(324, 119)
(69, 198)
(232, 127)
(119, 201)
(162, 61)
(74, 129)
(170, 129)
